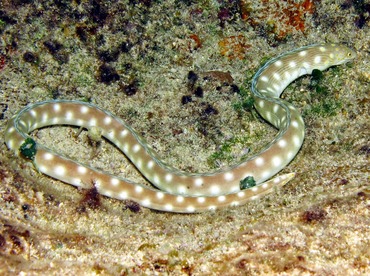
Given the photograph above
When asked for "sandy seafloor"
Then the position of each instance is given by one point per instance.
(133, 58)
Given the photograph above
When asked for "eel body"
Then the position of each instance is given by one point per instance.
(175, 190)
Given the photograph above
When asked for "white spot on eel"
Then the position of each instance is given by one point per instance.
(175, 190)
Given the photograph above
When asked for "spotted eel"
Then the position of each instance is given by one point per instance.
(174, 190)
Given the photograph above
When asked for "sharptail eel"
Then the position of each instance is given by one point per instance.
(175, 190)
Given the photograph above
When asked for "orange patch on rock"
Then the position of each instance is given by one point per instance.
(196, 43)
(234, 47)
(277, 18)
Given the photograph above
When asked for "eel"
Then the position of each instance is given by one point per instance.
(174, 190)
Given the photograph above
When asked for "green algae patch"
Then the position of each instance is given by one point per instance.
(28, 149)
